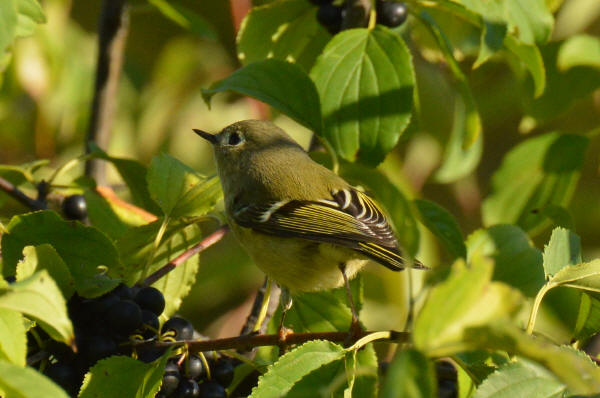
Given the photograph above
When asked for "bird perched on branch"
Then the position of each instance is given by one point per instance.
(302, 224)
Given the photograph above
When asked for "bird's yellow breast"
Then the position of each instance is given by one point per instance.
(297, 264)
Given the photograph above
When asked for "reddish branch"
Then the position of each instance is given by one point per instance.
(112, 34)
(171, 265)
(249, 341)
(20, 196)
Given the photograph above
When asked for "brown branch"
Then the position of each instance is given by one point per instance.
(108, 193)
(112, 34)
(17, 194)
(171, 265)
(250, 341)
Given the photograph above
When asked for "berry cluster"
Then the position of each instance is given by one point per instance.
(190, 377)
(105, 325)
(389, 13)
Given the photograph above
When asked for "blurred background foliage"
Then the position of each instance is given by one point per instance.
(47, 88)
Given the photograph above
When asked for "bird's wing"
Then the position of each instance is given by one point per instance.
(350, 219)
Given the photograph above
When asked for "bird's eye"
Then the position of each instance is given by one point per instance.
(234, 139)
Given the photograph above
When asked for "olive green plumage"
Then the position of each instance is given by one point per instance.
(298, 220)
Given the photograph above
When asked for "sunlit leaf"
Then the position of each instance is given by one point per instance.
(517, 262)
(521, 379)
(19, 382)
(563, 249)
(285, 29)
(366, 80)
(13, 343)
(284, 86)
(36, 258)
(39, 298)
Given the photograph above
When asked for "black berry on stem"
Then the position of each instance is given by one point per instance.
(151, 299)
(74, 207)
(391, 13)
(182, 328)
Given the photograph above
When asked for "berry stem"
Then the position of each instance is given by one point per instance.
(171, 265)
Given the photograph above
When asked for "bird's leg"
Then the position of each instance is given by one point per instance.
(285, 299)
(355, 328)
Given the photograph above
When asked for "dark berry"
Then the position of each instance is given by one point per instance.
(187, 389)
(60, 351)
(150, 324)
(170, 379)
(101, 305)
(391, 13)
(330, 17)
(151, 299)
(74, 207)
(321, 2)
(124, 317)
(65, 374)
(195, 368)
(210, 389)
(98, 347)
(123, 292)
(10, 278)
(183, 329)
(222, 372)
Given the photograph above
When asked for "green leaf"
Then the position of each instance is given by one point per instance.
(479, 364)
(529, 22)
(467, 298)
(572, 367)
(110, 216)
(530, 56)
(13, 342)
(517, 262)
(319, 312)
(459, 162)
(393, 200)
(585, 276)
(333, 378)
(30, 15)
(36, 258)
(472, 122)
(134, 176)
(39, 298)
(539, 172)
(287, 30)
(365, 79)
(293, 366)
(579, 50)
(443, 225)
(588, 317)
(85, 250)
(563, 88)
(410, 375)
(8, 23)
(563, 249)
(521, 379)
(492, 40)
(284, 86)
(121, 376)
(19, 382)
(179, 190)
(185, 17)
(136, 246)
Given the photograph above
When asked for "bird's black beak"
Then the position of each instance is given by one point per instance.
(207, 136)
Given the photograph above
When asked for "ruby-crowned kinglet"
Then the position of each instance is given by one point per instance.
(300, 222)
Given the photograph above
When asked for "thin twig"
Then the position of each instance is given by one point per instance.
(112, 34)
(250, 341)
(171, 265)
(16, 193)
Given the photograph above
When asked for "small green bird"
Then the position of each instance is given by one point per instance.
(302, 224)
